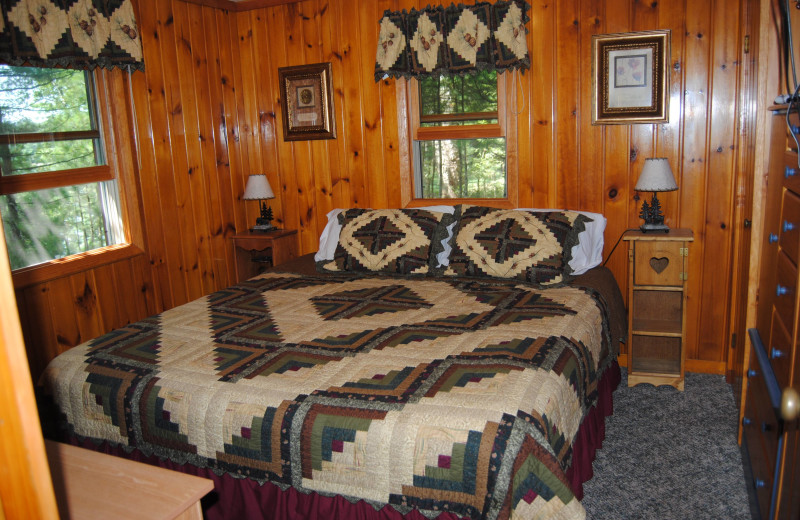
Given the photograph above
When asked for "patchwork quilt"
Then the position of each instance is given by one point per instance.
(440, 394)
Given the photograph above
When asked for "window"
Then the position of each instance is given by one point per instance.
(459, 142)
(58, 195)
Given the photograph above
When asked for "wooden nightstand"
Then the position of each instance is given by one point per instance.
(257, 250)
(657, 273)
(90, 484)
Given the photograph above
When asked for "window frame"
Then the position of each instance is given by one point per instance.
(409, 131)
(106, 85)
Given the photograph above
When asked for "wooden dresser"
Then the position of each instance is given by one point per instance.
(770, 442)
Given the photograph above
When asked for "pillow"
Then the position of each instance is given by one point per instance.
(329, 238)
(588, 252)
(392, 241)
(527, 245)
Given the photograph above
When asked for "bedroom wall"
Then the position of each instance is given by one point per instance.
(564, 160)
(183, 123)
(206, 113)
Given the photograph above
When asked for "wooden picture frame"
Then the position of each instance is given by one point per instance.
(307, 102)
(630, 77)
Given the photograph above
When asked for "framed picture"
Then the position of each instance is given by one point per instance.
(307, 102)
(630, 77)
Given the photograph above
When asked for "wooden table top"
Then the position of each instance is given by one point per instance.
(91, 485)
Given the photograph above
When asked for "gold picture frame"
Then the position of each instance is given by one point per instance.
(630, 77)
(307, 102)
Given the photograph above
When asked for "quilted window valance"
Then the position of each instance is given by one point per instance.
(453, 40)
(79, 34)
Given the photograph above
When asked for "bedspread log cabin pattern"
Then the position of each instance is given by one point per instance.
(442, 394)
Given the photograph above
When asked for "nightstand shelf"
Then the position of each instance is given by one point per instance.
(657, 306)
(657, 328)
(658, 367)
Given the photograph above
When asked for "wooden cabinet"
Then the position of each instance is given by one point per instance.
(770, 442)
(257, 250)
(657, 306)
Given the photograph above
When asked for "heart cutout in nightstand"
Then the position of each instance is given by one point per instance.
(659, 264)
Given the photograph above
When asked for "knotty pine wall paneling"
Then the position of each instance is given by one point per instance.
(71, 307)
(59, 314)
(564, 161)
(194, 148)
(206, 114)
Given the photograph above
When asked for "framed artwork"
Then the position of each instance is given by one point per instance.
(630, 77)
(307, 102)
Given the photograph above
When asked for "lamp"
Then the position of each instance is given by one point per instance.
(258, 188)
(656, 176)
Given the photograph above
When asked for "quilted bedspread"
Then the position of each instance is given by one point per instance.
(441, 394)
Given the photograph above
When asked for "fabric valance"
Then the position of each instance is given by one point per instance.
(81, 34)
(453, 40)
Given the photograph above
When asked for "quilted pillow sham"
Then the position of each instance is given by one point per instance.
(389, 241)
(527, 245)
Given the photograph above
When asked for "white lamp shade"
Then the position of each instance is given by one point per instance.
(257, 188)
(656, 176)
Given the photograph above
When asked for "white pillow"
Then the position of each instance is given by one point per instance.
(330, 235)
(588, 252)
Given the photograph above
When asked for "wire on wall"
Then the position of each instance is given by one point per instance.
(616, 244)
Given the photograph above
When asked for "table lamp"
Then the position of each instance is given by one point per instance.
(258, 188)
(656, 176)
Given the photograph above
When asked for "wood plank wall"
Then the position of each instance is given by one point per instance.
(564, 161)
(206, 113)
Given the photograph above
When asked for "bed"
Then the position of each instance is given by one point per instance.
(393, 373)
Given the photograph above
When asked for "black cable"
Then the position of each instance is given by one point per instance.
(790, 43)
(617, 243)
(792, 102)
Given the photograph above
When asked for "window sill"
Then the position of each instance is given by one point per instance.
(73, 264)
(505, 203)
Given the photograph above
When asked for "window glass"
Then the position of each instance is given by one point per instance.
(47, 120)
(47, 157)
(47, 224)
(468, 99)
(462, 168)
(49, 127)
(469, 164)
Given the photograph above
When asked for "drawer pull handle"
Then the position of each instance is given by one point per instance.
(787, 226)
(751, 373)
(777, 353)
(789, 172)
(765, 427)
(781, 290)
(760, 483)
(746, 421)
(772, 238)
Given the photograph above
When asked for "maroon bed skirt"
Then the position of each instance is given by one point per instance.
(235, 498)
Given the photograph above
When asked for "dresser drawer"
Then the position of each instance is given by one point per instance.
(759, 429)
(762, 466)
(784, 290)
(763, 415)
(762, 428)
(791, 172)
(790, 225)
(658, 263)
(779, 350)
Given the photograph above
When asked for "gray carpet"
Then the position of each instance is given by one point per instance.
(670, 455)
